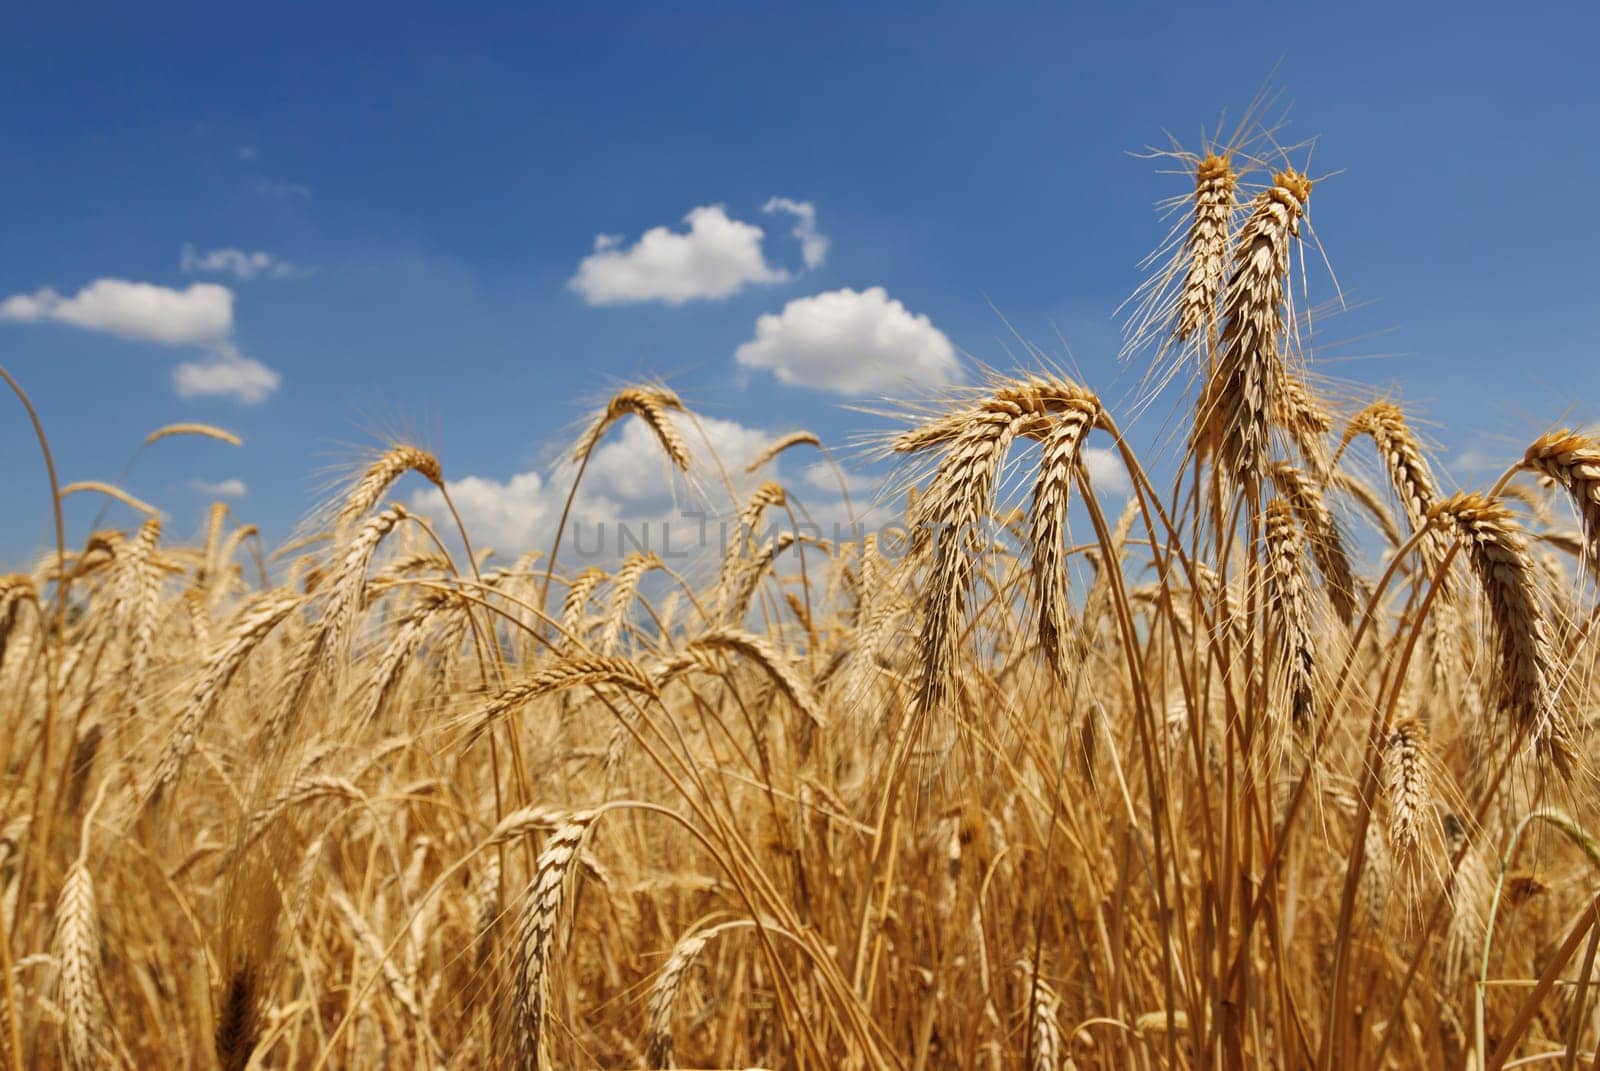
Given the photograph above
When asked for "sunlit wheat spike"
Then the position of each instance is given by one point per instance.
(1058, 467)
(143, 594)
(778, 446)
(1286, 576)
(541, 913)
(1408, 784)
(1323, 534)
(1398, 449)
(208, 431)
(760, 653)
(77, 949)
(1240, 396)
(649, 404)
(949, 517)
(1207, 246)
(575, 605)
(378, 477)
(1301, 414)
(624, 586)
(1573, 461)
(573, 671)
(658, 1051)
(1525, 679)
(746, 528)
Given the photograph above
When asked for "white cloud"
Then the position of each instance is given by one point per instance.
(813, 246)
(852, 342)
(1106, 471)
(236, 262)
(226, 373)
(233, 487)
(200, 315)
(716, 258)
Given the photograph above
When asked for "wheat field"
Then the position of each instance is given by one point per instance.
(1286, 759)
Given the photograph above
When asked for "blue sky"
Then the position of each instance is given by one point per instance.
(425, 191)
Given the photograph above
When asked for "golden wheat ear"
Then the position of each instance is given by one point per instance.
(1526, 672)
(1240, 395)
(1573, 461)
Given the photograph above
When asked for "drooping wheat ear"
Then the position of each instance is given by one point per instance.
(1401, 455)
(750, 576)
(649, 404)
(536, 930)
(958, 500)
(778, 446)
(755, 650)
(1241, 394)
(1290, 599)
(577, 601)
(1047, 525)
(16, 591)
(623, 588)
(1308, 423)
(1408, 782)
(402, 645)
(1207, 246)
(78, 953)
(1322, 531)
(396, 983)
(1498, 552)
(381, 475)
(573, 671)
(1224, 598)
(326, 645)
(253, 626)
(208, 431)
(658, 1051)
(143, 592)
(768, 495)
(664, 993)
(111, 491)
(1573, 461)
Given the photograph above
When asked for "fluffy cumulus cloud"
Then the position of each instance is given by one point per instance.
(199, 316)
(715, 258)
(813, 246)
(226, 373)
(237, 263)
(233, 487)
(851, 342)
